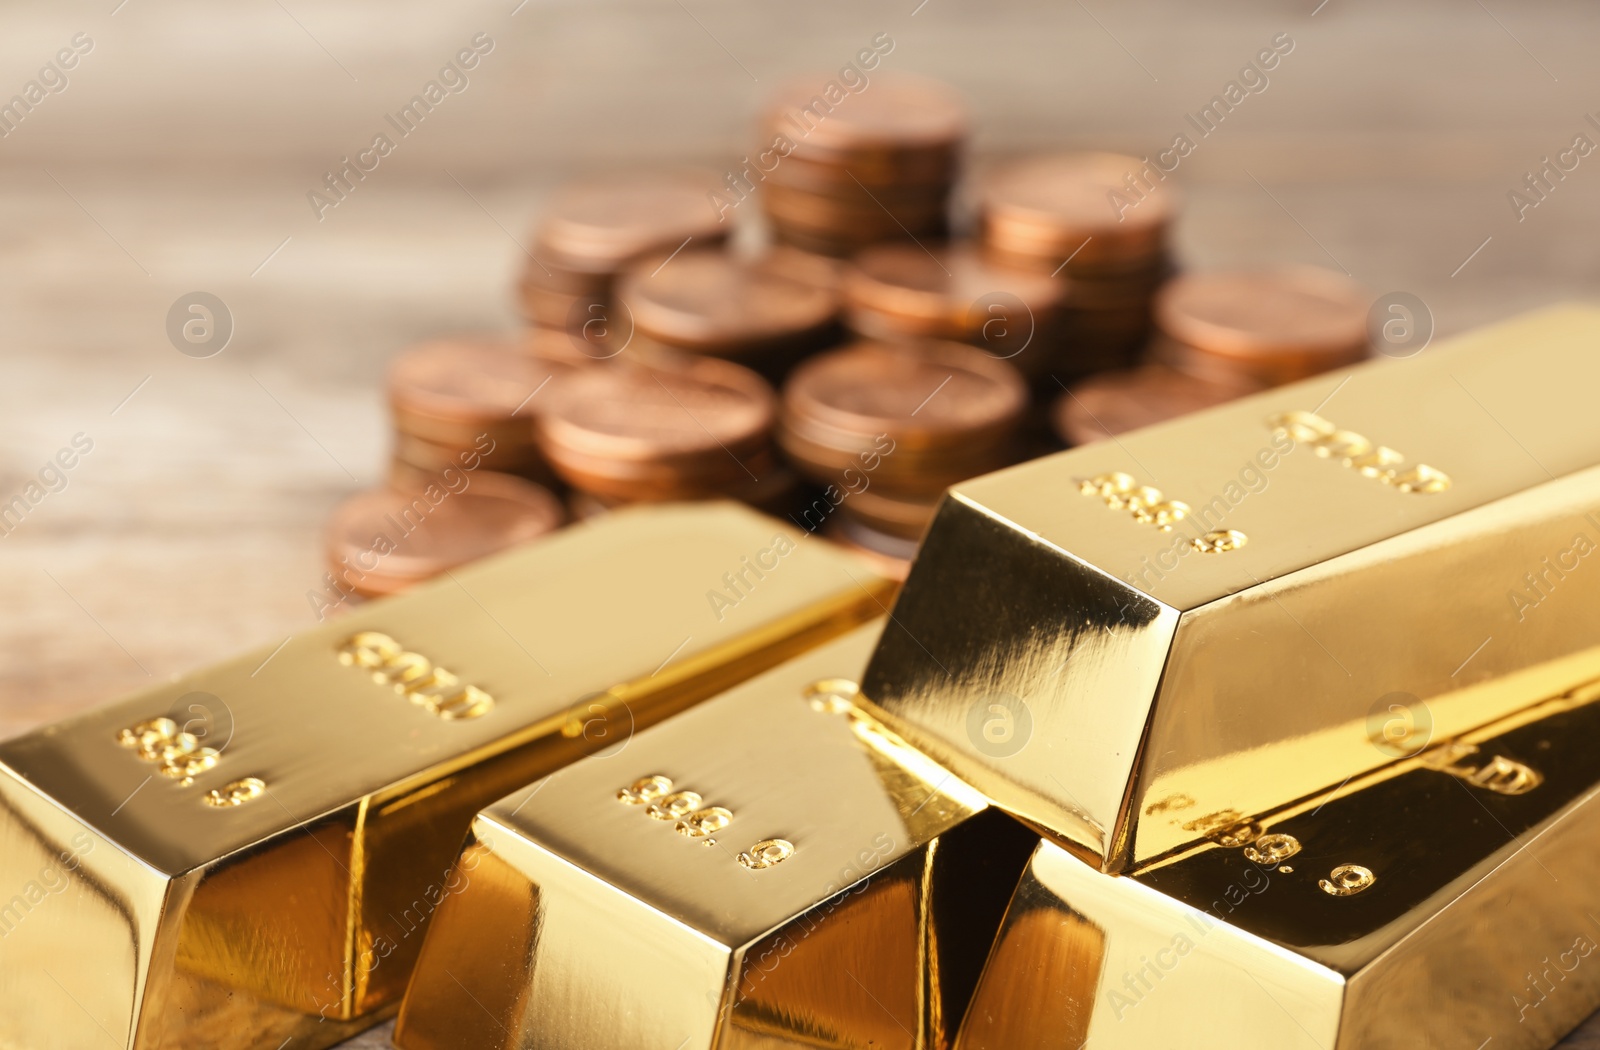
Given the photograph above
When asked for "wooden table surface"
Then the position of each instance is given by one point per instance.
(179, 153)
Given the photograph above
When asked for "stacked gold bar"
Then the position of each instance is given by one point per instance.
(771, 869)
(1299, 692)
(277, 887)
(1293, 700)
(1448, 901)
(1173, 632)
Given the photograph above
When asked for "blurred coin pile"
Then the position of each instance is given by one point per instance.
(764, 313)
(593, 229)
(878, 165)
(463, 473)
(670, 429)
(844, 364)
(1221, 335)
(885, 428)
(1100, 222)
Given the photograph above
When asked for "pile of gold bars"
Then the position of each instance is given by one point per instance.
(1269, 727)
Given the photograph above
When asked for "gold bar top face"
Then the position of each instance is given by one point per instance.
(767, 870)
(280, 878)
(1447, 900)
(1140, 642)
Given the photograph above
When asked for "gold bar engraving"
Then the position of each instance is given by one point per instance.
(827, 887)
(1168, 689)
(277, 887)
(415, 676)
(1407, 908)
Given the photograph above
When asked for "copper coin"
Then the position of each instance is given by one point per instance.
(775, 491)
(383, 540)
(597, 226)
(819, 271)
(1116, 402)
(704, 420)
(855, 214)
(949, 292)
(889, 556)
(583, 345)
(546, 272)
(451, 390)
(897, 515)
(844, 244)
(712, 302)
(1273, 325)
(913, 418)
(1081, 205)
(485, 450)
(736, 476)
(925, 171)
(556, 309)
(895, 112)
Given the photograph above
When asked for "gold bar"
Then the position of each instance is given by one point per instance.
(1137, 643)
(771, 869)
(156, 892)
(1446, 901)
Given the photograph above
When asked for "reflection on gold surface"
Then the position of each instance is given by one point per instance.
(1164, 692)
(1462, 914)
(297, 909)
(649, 934)
(1048, 962)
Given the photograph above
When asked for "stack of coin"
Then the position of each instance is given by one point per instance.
(710, 302)
(1266, 326)
(1099, 219)
(797, 264)
(842, 170)
(895, 292)
(467, 403)
(1113, 403)
(672, 429)
(885, 428)
(593, 229)
(384, 541)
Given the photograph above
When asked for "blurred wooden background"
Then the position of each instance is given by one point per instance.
(179, 154)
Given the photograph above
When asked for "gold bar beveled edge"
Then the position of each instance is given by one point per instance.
(1587, 692)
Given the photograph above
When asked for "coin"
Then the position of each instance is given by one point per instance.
(926, 171)
(897, 515)
(889, 555)
(384, 541)
(592, 229)
(554, 308)
(848, 169)
(1094, 208)
(843, 243)
(821, 271)
(597, 226)
(856, 215)
(1275, 326)
(582, 344)
(653, 432)
(895, 113)
(913, 418)
(714, 303)
(949, 292)
(1116, 402)
(450, 391)
(413, 454)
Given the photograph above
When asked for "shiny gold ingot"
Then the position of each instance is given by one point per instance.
(1411, 909)
(823, 886)
(273, 889)
(1395, 537)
